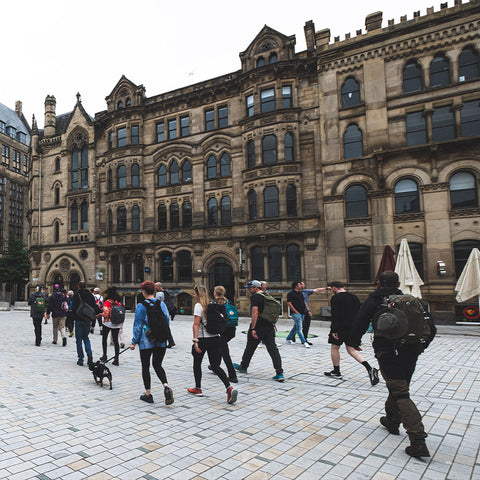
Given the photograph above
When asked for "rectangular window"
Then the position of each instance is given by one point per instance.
(184, 126)
(443, 124)
(6, 154)
(2, 127)
(135, 139)
(250, 109)
(12, 132)
(21, 137)
(267, 100)
(209, 120)
(16, 161)
(223, 117)
(172, 129)
(287, 96)
(25, 164)
(416, 129)
(470, 118)
(121, 137)
(160, 132)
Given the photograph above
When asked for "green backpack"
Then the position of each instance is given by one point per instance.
(272, 308)
(39, 305)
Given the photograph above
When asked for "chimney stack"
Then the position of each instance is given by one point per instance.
(50, 116)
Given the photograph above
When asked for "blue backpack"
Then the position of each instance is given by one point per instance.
(232, 314)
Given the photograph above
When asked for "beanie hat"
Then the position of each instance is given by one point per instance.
(391, 324)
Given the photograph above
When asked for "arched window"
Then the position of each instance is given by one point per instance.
(186, 214)
(57, 164)
(225, 165)
(211, 167)
(439, 71)
(127, 268)
(166, 267)
(57, 232)
(109, 221)
(121, 219)
(74, 216)
(184, 266)
(119, 104)
(353, 142)
(359, 269)
(257, 266)
(115, 269)
(57, 195)
(406, 196)
(174, 216)
(289, 151)
(291, 200)
(269, 149)
(139, 268)
(135, 171)
(412, 77)
(270, 202)
(212, 211)
(186, 171)
(79, 171)
(273, 58)
(275, 264)
(174, 173)
(128, 102)
(251, 154)
(84, 215)
(135, 218)
(109, 180)
(162, 176)
(463, 190)
(225, 211)
(294, 271)
(356, 202)
(468, 64)
(461, 252)
(162, 217)
(260, 62)
(470, 118)
(350, 93)
(252, 204)
(122, 176)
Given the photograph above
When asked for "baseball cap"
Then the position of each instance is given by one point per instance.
(253, 283)
(392, 324)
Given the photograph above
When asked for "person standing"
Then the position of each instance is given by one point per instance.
(69, 322)
(205, 342)
(260, 330)
(56, 303)
(38, 306)
(98, 318)
(397, 364)
(298, 306)
(109, 328)
(307, 317)
(344, 307)
(154, 351)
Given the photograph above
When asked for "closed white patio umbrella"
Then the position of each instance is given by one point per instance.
(468, 285)
(410, 281)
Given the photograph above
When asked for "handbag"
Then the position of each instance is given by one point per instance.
(85, 312)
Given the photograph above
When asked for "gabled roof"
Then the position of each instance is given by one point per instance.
(11, 119)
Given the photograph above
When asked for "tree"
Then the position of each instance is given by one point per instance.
(14, 263)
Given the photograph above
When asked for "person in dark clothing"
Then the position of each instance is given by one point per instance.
(260, 330)
(298, 307)
(397, 364)
(55, 308)
(82, 327)
(344, 306)
(37, 312)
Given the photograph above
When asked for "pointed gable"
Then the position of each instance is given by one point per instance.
(125, 94)
(269, 46)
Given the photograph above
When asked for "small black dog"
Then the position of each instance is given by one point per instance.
(101, 371)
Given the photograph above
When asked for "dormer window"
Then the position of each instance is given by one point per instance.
(260, 62)
(120, 104)
(273, 58)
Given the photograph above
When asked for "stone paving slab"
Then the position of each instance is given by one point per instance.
(56, 423)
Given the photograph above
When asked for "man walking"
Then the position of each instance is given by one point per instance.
(344, 307)
(297, 305)
(260, 330)
(307, 318)
(38, 306)
(56, 303)
(397, 364)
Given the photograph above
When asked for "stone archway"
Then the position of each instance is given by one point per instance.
(221, 273)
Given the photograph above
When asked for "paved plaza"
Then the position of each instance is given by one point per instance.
(56, 423)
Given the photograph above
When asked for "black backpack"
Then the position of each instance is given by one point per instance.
(117, 315)
(157, 322)
(216, 318)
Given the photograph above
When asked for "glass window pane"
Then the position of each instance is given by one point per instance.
(172, 129)
(174, 173)
(443, 124)
(122, 177)
(416, 129)
(121, 137)
(186, 214)
(293, 263)
(160, 132)
(252, 205)
(274, 264)
(212, 212)
(267, 100)
(187, 171)
(209, 120)
(166, 267)
(258, 270)
(162, 176)
(470, 118)
(250, 110)
(225, 165)
(185, 126)
(135, 175)
(353, 142)
(223, 117)
(289, 152)
(439, 71)
(359, 264)
(174, 216)
(162, 217)
(291, 201)
(287, 96)
(463, 190)
(134, 135)
(184, 263)
(356, 202)
(211, 167)
(412, 78)
(135, 219)
(269, 149)
(121, 219)
(350, 93)
(271, 207)
(406, 196)
(461, 251)
(226, 212)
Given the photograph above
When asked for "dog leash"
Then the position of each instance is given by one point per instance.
(124, 350)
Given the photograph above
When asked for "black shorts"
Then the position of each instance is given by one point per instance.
(334, 341)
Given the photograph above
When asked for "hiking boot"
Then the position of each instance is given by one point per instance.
(390, 426)
(417, 449)
(232, 395)
(64, 341)
(146, 398)
(115, 362)
(373, 374)
(333, 374)
(195, 391)
(233, 379)
(239, 368)
(168, 395)
(279, 377)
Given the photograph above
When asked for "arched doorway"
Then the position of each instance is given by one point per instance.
(58, 280)
(221, 273)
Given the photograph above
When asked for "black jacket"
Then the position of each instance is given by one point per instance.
(87, 297)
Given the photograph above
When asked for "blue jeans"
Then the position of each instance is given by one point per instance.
(297, 327)
(82, 329)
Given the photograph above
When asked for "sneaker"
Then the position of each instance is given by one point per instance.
(279, 377)
(333, 374)
(168, 396)
(310, 343)
(232, 395)
(373, 374)
(233, 379)
(146, 398)
(289, 342)
(306, 345)
(239, 368)
(195, 391)
(70, 334)
(64, 341)
(417, 449)
(54, 342)
(80, 362)
(390, 426)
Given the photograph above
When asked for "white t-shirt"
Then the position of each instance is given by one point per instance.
(202, 331)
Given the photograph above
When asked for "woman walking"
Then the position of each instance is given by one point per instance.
(111, 298)
(150, 349)
(205, 342)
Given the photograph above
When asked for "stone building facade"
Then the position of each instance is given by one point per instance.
(298, 165)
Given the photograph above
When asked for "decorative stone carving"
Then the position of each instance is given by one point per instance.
(64, 264)
(408, 217)
(47, 257)
(464, 212)
(349, 222)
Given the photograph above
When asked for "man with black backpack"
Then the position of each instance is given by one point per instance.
(397, 359)
(38, 307)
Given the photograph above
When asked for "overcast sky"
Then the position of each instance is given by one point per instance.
(61, 47)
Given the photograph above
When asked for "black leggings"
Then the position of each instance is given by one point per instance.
(212, 346)
(158, 355)
(115, 331)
